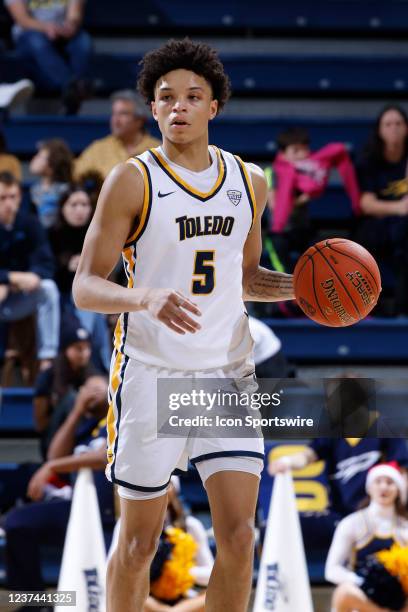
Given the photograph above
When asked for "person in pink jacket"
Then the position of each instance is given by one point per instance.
(300, 176)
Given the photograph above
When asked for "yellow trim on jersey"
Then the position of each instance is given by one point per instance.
(249, 185)
(146, 200)
(118, 335)
(180, 181)
(129, 255)
(112, 412)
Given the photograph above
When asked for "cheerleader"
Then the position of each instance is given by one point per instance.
(377, 526)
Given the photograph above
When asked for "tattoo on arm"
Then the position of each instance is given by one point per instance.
(268, 286)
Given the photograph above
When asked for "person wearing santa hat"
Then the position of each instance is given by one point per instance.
(381, 522)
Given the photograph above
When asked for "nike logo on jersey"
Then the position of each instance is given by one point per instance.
(189, 227)
(163, 195)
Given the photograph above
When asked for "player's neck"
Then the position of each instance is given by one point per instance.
(192, 156)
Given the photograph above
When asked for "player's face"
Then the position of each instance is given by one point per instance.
(384, 491)
(183, 106)
(393, 129)
(10, 198)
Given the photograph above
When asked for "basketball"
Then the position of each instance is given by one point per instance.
(337, 282)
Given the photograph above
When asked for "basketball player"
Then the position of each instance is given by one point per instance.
(186, 218)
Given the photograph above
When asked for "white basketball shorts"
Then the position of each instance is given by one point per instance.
(140, 460)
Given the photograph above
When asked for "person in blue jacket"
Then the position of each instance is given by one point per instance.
(26, 271)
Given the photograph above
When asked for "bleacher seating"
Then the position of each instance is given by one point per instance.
(322, 74)
(306, 341)
(262, 74)
(253, 137)
(227, 15)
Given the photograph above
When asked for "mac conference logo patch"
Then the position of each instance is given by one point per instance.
(234, 196)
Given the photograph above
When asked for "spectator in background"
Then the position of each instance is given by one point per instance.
(382, 172)
(67, 237)
(79, 442)
(8, 162)
(74, 214)
(270, 362)
(26, 271)
(382, 522)
(347, 459)
(301, 176)
(128, 136)
(56, 388)
(52, 164)
(49, 35)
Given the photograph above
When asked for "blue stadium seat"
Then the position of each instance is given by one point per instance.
(306, 341)
(285, 73)
(250, 136)
(16, 411)
(263, 74)
(228, 15)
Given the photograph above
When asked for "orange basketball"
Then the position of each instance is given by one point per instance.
(337, 282)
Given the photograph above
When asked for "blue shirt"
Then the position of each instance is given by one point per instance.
(347, 464)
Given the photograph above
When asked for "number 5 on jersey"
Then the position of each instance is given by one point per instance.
(203, 273)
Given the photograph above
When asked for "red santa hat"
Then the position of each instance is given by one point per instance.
(390, 470)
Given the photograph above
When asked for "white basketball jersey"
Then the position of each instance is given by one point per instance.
(191, 241)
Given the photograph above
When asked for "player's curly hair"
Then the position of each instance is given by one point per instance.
(188, 55)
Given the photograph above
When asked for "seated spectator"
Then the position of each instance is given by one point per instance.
(49, 36)
(67, 237)
(53, 167)
(347, 463)
(128, 136)
(26, 271)
(79, 442)
(347, 460)
(202, 558)
(381, 523)
(73, 216)
(8, 162)
(301, 176)
(382, 173)
(56, 388)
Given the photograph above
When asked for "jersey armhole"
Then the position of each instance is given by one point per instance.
(248, 187)
(141, 224)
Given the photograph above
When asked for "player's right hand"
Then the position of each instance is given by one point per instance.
(278, 466)
(171, 308)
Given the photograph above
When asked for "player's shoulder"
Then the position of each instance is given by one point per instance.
(124, 186)
(256, 173)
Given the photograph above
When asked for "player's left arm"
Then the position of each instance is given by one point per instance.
(260, 284)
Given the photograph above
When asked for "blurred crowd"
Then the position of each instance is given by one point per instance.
(63, 352)
(43, 223)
